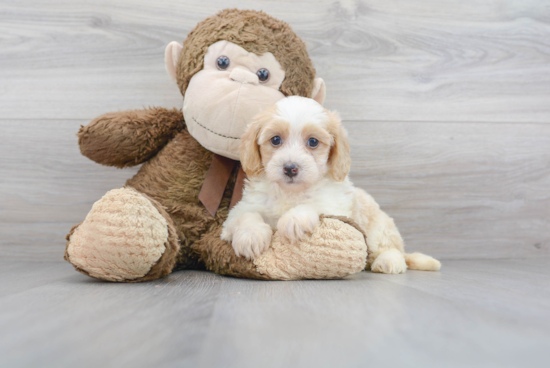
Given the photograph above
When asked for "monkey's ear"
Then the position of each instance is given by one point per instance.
(171, 56)
(319, 90)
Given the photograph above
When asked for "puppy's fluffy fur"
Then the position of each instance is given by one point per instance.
(296, 156)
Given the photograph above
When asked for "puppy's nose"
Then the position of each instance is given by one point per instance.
(291, 170)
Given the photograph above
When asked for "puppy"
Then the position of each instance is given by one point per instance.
(297, 158)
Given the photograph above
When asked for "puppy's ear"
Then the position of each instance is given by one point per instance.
(339, 159)
(251, 160)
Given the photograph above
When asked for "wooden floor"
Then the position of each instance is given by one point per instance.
(484, 313)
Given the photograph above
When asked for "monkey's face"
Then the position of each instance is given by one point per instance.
(222, 98)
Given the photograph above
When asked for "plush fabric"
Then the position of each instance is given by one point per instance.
(256, 32)
(343, 252)
(129, 138)
(122, 238)
(217, 117)
(156, 224)
(174, 178)
(336, 249)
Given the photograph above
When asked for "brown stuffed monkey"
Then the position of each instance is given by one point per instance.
(169, 215)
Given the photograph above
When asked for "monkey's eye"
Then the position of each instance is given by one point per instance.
(263, 74)
(223, 62)
(313, 142)
(276, 141)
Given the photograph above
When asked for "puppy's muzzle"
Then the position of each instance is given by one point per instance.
(290, 170)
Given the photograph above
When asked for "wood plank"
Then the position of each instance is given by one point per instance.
(457, 191)
(367, 321)
(91, 323)
(20, 276)
(459, 317)
(382, 61)
(513, 288)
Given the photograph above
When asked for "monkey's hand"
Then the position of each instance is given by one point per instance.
(129, 138)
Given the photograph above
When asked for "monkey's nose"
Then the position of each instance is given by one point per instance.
(290, 169)
(244, 76)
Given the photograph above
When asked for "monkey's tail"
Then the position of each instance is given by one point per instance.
(422, 262)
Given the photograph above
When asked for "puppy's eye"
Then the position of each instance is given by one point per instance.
(263, 75)
(312, 142)
(276, 141)
(223, 62)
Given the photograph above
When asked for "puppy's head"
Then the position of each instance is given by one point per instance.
(295, 143)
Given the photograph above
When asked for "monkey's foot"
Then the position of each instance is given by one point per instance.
(335, 249)
(126, 237)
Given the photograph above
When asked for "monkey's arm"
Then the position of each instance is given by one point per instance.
(129, 138)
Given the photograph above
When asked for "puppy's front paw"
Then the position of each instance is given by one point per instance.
(297, 223)
(391, 261)
(227, 233)
(251, 237)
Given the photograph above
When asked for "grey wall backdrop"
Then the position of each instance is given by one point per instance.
(447, 104)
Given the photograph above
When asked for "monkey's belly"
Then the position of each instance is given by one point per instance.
(174, 177)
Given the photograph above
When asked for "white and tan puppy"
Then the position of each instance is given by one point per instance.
(296, 156)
